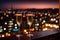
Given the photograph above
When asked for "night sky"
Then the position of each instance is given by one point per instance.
(16, 4)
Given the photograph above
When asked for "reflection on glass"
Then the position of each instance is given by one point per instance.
(19, 20)
(15, 30)
(29, 20)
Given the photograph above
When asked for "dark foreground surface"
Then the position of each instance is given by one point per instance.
(46, 35)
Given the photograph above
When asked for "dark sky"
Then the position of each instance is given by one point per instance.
(29, 3)
(3, 1)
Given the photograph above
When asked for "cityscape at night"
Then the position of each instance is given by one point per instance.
(29, 20)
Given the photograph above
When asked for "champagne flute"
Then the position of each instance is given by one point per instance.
(30, 21)
(19, 21)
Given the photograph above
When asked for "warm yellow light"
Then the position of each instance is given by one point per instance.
(57, 13)
(45, 13)
(44, 21)
(37, 24)
(8, 34)
(46, 25)
(44, 29)
(51, 26)
(53, 19)
(9, 12)
(4, 13)
(25, 30)
(56, 21)
(1, 17)
(55, 26)
(7, 15)
(32, 29)
(36, 28)
(49, 14)
(4, 28)
(15, 25)
(13, 12)
(5, 23)
(41, 15)
(3, 35)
